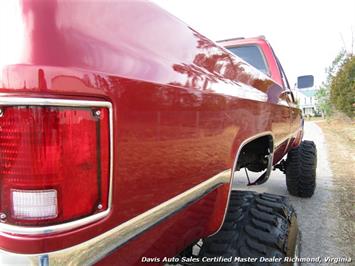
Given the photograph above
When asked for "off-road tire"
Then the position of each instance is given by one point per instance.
(301, 165)
(256, 226)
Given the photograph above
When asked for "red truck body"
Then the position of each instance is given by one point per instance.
(180, 108)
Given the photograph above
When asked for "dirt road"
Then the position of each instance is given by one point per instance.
(319, 217)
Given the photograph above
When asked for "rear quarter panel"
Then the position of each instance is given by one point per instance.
(182, 106)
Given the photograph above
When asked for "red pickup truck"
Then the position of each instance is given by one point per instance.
(120, 132)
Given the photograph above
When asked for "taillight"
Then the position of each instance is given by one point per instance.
(54, 163)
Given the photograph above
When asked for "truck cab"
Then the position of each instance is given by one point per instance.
(258, 52)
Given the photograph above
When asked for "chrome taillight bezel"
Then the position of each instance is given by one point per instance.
(52, 229)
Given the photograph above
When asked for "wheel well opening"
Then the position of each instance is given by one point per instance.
(253, 155)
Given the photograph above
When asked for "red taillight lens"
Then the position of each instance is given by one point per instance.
(54, 163)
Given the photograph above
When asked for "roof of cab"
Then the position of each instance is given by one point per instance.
(241, 40)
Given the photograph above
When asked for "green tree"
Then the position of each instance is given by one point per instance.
(323, 95)
(323, 100)
(342, 87)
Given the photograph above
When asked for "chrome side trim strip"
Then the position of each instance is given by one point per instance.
(17, 101)
(96, 248)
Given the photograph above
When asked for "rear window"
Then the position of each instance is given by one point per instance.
(252, 55)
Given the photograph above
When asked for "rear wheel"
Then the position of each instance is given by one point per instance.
(257, 226)
(301, 165)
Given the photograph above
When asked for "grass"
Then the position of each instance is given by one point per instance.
(340, 138)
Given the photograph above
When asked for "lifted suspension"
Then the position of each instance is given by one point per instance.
(281, 166)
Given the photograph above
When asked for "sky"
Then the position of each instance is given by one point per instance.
(305, 34)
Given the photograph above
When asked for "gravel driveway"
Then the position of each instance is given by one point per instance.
(319, 217)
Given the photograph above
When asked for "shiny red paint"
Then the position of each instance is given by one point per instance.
(182, 106)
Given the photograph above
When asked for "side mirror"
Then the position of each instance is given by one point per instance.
(304, 82)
